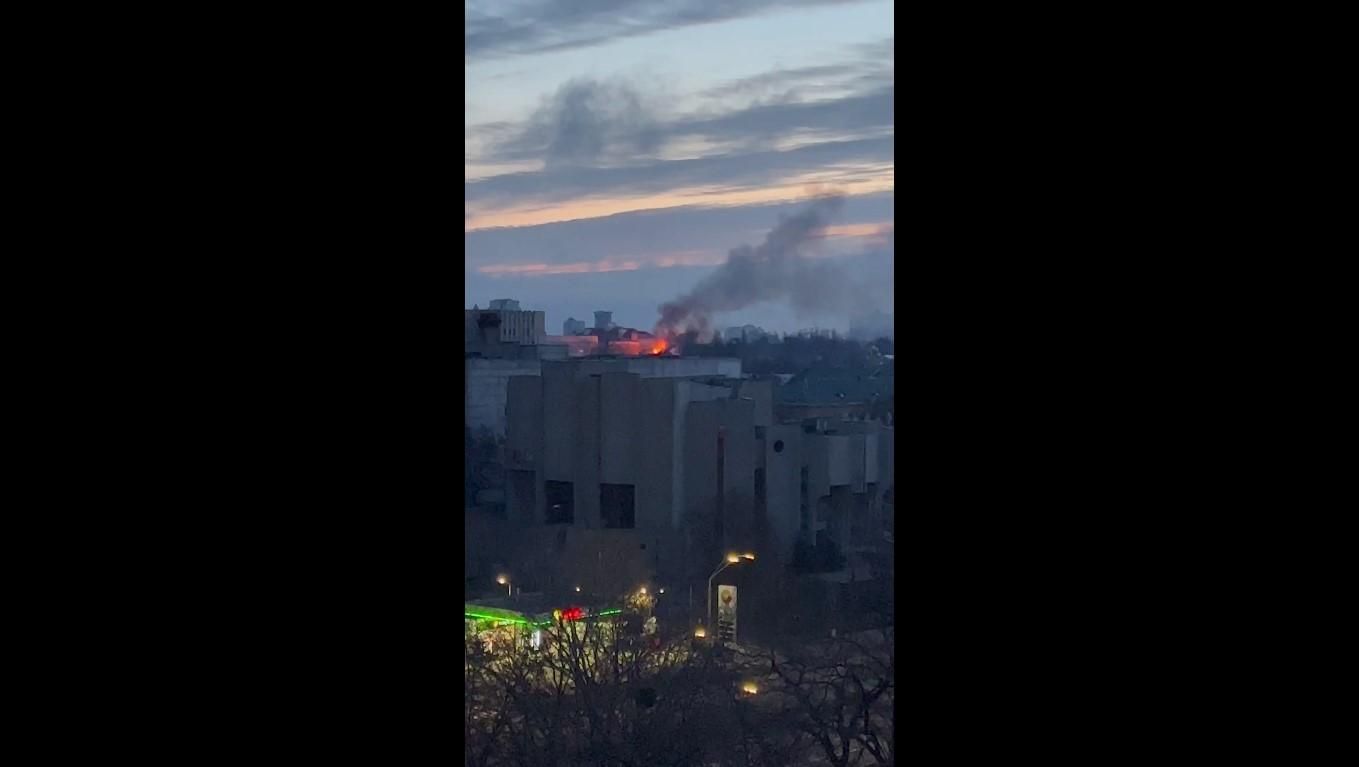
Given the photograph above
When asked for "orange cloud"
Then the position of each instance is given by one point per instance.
(790, 190)
(539, 270)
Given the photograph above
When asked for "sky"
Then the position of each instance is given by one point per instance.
(617, 151)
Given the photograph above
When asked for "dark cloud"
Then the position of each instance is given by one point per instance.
(590, 123)
(855, 114)
(586, 122)
(593, 122)
(749, 169)
(509, 27)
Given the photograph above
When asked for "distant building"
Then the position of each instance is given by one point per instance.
(603, 320)
(573, 327)
(502, 324)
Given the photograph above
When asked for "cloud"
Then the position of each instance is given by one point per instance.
(670, 238)
(507, 27)
(730, 170)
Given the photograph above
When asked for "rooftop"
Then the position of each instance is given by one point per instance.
(829, 386)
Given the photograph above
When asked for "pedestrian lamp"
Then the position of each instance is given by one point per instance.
(504, 580)
(732, 559)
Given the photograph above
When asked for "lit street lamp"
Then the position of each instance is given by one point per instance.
(732, 559)
(505, 581)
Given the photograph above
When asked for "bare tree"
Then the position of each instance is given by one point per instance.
(840, 693)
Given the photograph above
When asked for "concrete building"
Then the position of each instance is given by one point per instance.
(573, 327)
(486, 379)
(663, 473)
(603, 320)
(506, 326)
(656, 472)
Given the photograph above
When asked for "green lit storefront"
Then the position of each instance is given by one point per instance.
(500, 628)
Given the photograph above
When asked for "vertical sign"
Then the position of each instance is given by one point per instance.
(726, 613)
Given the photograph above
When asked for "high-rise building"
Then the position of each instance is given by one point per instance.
(573, 327)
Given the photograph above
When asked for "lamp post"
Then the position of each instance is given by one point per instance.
(505, 581)
(732, 559)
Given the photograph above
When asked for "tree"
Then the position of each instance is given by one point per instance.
(599, 694)
(840, 693)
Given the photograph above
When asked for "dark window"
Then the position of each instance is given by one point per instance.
(778, 446)
(759, 489)
(561, 502)
(804, 505)
(616, 506)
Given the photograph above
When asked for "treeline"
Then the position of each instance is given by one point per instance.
(793, 354)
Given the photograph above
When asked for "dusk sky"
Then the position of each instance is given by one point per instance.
(616, 150)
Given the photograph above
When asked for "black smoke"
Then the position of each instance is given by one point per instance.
(587, 122)
(778, 269)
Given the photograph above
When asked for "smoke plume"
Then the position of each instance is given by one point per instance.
(776, 270)
(587, 122)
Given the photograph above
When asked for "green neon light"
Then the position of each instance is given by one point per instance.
(609, 612)
(500, 618)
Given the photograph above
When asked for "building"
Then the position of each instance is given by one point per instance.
(836, 394)
(614, 478)
(603, 320)
(573, 327)
(486, 379)
(502, 324)
(610, 462)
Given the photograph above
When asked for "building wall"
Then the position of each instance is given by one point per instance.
(591, 423)
(516, 327)
(487, 390)
(782, 487)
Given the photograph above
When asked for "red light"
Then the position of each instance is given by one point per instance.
(572, 614)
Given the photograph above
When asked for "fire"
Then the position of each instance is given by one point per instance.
(634, 344)
(640, 347)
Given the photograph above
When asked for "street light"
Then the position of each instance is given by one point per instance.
(504, 580)
(732, 559)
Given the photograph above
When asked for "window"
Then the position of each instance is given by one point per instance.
(804, 506)
(778, 446)
(561, 502)
(617, 506)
